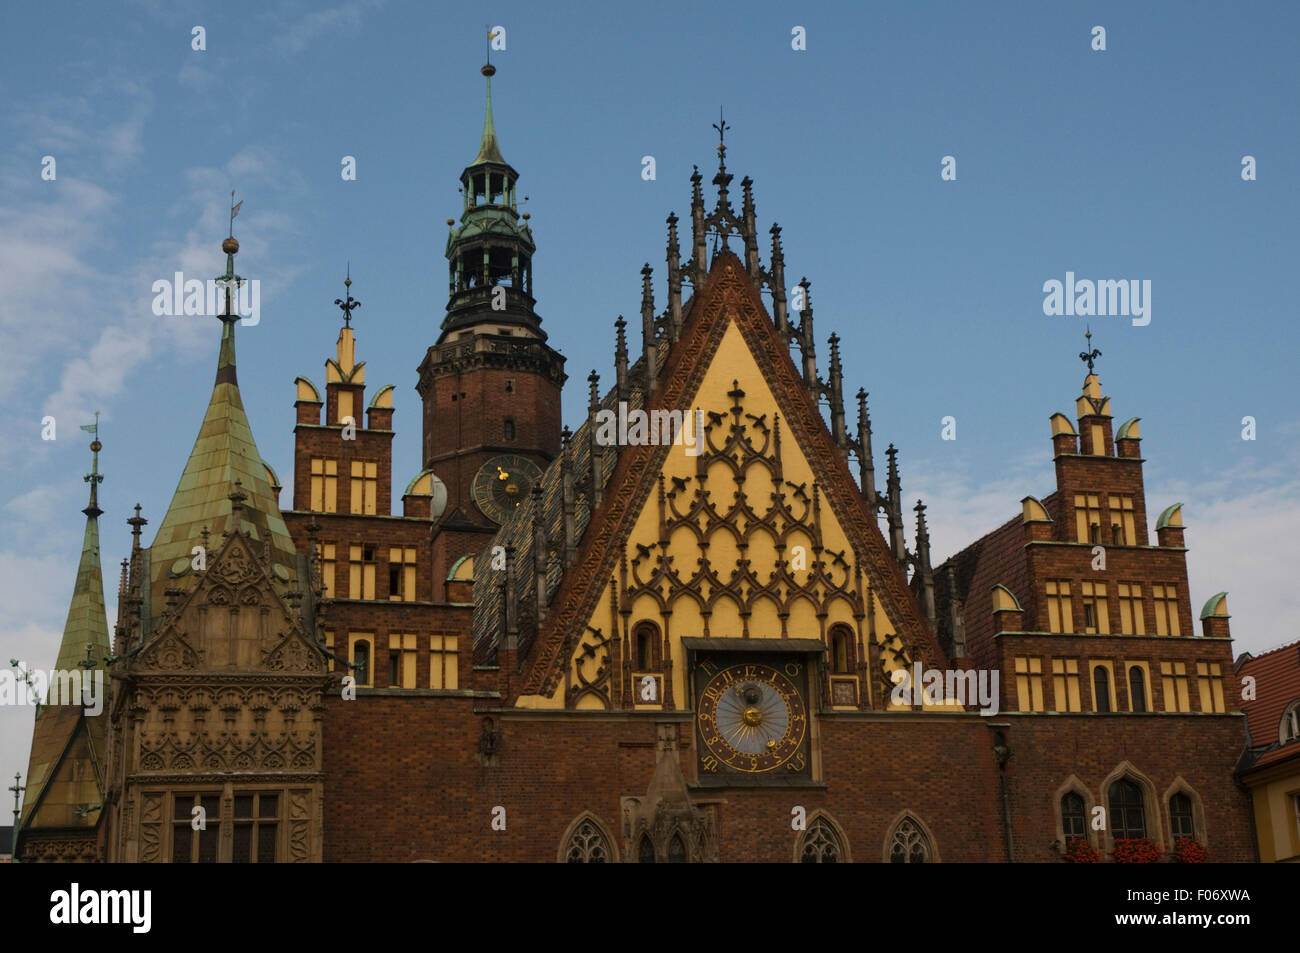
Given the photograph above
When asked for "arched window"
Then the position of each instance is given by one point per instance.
(1127, 812)
(645, 647)
(1073, 817)
(1290, 728)
(645, 852)
(908, 845)
(361, 659)
(841, 650)
(1101, 688)
(1181, 823)
(1137, 689)
(822, 843)
(508, 427)
(676, 850)
(588, 845)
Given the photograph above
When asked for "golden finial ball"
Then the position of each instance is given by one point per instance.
(96, 446)
(230, 246)
(527, 216)
(451, 221)
(488, 70)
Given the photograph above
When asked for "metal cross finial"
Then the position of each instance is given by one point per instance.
(1089, 356)
(351, 304)
(488, 42)
(722, 127)
(17, 788)
(89, 661)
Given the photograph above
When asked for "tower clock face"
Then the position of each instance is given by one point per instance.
(503, 483)
(752, 720)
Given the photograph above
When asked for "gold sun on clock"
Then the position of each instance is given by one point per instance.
(751, 719)
(503, 483)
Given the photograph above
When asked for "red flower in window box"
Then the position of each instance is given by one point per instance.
(1188, 851)
(1079, 851)
(1136, 850)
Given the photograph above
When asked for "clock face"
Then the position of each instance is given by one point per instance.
(752, 719)
(503, 483)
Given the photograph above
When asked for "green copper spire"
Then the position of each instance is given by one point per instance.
(488, 151)
(65, 770)
(224, 452)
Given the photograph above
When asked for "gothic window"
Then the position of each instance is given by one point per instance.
(257, 824)
(1073, 817)
(908, 844)
(190, 846)
(588, 845)
(646, 647)
(676, 850)
(1101, 688)
(822, 843)
(361, 660)
(508, 428)
(841, 654)
(1137, 689)
(645, 852)
(1127, 811)
(1289, 730)
(1181, 823)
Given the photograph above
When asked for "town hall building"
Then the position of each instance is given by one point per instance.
(557, 646)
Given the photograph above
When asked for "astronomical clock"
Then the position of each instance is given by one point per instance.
(752, 719)
(503, 483)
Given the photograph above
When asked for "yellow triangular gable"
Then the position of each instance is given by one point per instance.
(680, 569)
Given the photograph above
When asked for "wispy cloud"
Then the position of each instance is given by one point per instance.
(299, 35)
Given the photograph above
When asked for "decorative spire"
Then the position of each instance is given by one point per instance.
(894, 508)
(488, 150)
(807, 345)
(347, 304)
(779, 316)
(674, 280)
(923, 567)
(1089, 356)
(749, 230)
(866, 464)
(597, 449)
(94, 477)
(620, 356)
(700, 250)
(648, 343)
(835, 394)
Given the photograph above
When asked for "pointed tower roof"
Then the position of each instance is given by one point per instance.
(65, 771)
(224, 452)
(488, 151)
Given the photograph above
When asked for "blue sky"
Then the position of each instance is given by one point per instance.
(1117, 164)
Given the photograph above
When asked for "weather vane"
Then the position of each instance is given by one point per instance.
(234, 210)
(351, 304)
(1089, 356)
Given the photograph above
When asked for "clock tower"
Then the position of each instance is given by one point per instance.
(491, 384)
